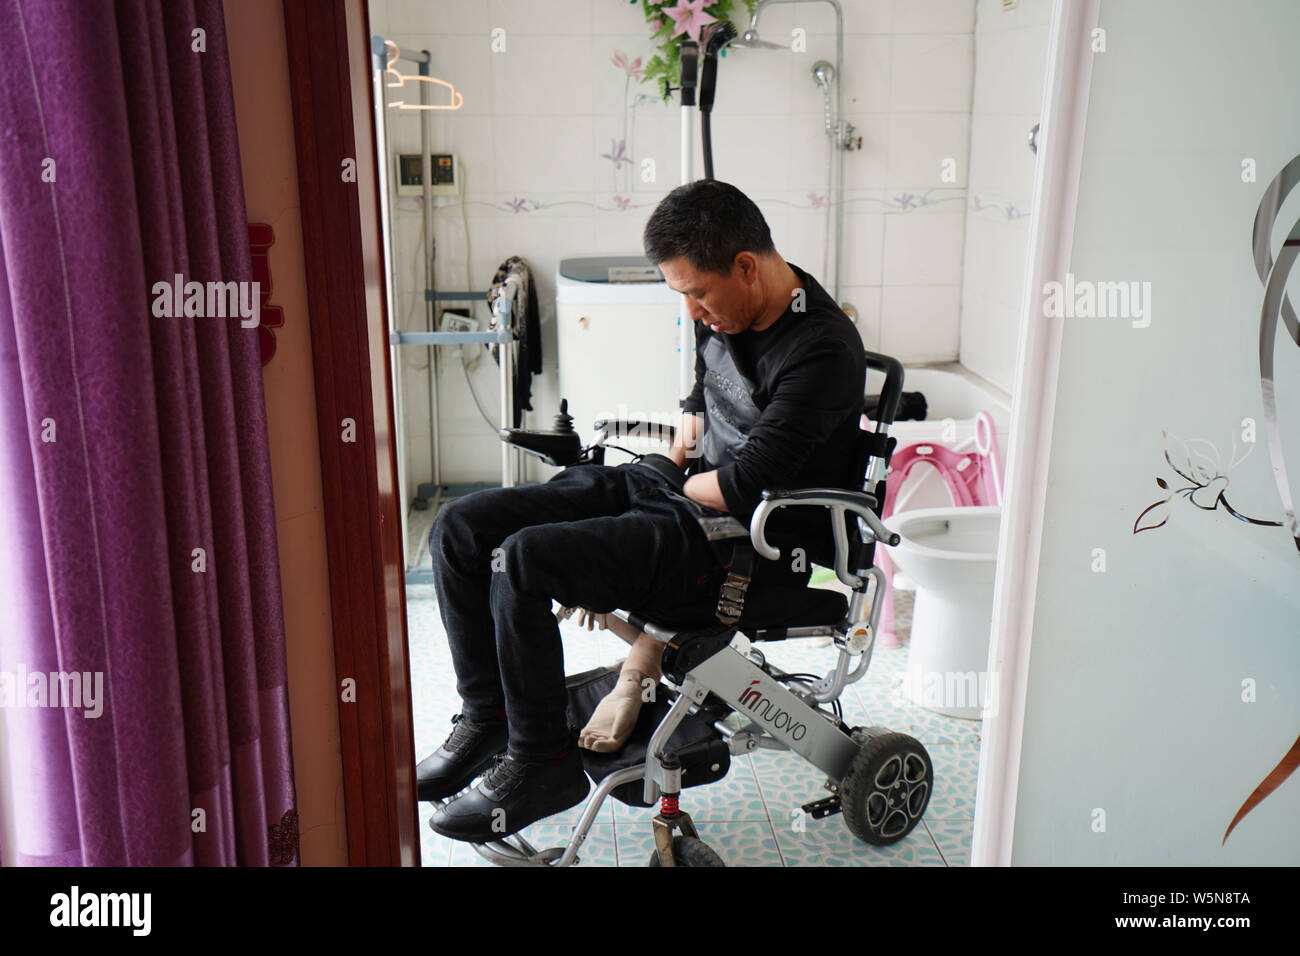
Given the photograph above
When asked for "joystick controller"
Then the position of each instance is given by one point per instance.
(560, 446)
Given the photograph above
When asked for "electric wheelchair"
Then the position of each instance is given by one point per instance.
(879, 780)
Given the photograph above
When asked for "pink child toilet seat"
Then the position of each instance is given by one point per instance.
(973, 479)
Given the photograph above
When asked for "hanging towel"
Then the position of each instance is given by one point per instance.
(515, 281)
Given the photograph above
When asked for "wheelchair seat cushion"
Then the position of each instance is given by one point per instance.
(775, 606)
(766, 606)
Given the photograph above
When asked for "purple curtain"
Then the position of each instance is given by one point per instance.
(137, 535)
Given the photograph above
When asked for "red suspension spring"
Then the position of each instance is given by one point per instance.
(668, 805)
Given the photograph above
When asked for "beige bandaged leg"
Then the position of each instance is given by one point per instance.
(615, 716)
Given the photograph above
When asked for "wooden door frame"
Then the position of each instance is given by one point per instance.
(329, 74)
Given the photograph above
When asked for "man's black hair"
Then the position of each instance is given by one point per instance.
(708, 222)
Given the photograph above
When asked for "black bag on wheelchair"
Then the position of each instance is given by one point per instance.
(705, 756)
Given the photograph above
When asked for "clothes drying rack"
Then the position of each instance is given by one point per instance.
(398, 339)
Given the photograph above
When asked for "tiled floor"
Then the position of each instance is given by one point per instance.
(751, 817)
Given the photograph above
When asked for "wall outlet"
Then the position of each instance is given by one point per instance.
(451, 322)
(410, 174)
(446, 174)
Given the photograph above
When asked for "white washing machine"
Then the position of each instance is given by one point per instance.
(617, 331)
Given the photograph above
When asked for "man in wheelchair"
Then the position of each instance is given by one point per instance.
(779, 380)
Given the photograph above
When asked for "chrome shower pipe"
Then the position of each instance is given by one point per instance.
(823, 73)
(839, 140)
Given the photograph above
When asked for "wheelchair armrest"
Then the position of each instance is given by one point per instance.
(555, 448)
(622, 427)
(838, 501)
(808, 494)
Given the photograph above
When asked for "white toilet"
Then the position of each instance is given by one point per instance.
(950, 553)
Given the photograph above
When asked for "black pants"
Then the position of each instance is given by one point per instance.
(599, 537)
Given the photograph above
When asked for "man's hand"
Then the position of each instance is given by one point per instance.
(687, 438)
(704, 488)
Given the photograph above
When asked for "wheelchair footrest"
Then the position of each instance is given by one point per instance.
(826, 807)
(705, 757)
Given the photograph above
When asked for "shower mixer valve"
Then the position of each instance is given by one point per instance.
(846, 138)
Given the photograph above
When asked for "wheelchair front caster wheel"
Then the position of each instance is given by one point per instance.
(887, 788)
(688, 851)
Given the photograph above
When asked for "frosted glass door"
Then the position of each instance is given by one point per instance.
(1164, 682)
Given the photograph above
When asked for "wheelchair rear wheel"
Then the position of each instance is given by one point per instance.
(688, 851)
(887, 788)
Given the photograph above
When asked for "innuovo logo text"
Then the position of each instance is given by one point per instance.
(761, 707)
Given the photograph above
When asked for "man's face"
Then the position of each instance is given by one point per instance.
(725, 303)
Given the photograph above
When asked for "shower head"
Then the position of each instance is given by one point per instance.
(719, 35)
(823, 73)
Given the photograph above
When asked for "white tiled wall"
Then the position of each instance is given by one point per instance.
(1010, 60)
(539, 117)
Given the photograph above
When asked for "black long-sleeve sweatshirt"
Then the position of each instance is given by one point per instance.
(782, 410)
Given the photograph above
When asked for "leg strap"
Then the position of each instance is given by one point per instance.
(731, 599)
(719, 526)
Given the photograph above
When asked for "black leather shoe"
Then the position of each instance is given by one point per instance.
(467, 752)
(511, 796)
